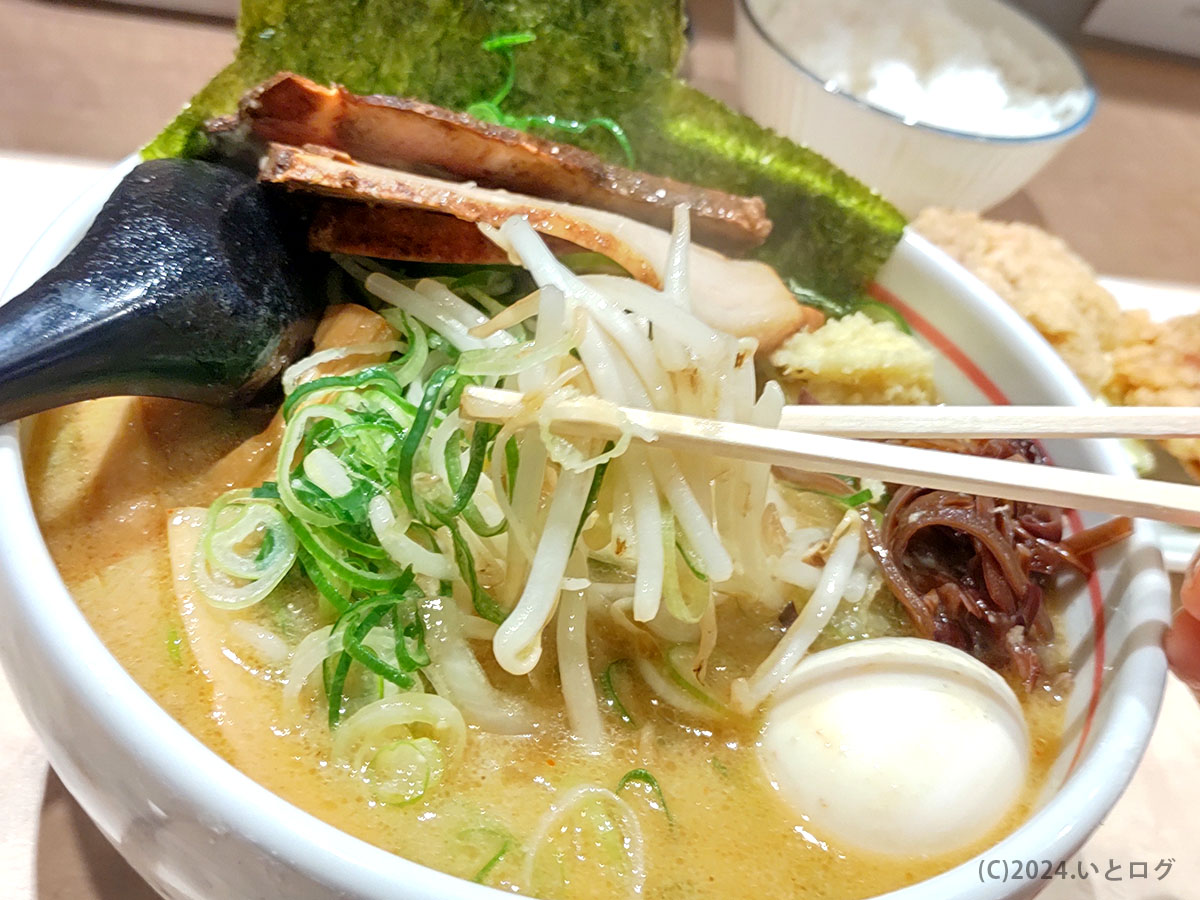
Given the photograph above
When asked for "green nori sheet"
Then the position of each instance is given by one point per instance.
(615, 58)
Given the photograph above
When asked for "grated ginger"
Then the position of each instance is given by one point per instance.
(857, 360)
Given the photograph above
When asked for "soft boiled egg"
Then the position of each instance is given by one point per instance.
(897, 746)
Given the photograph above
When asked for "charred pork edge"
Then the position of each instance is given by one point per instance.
(291, 109)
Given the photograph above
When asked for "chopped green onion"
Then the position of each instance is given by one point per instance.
(403, 771)
(369, 658)
(677, 663)
(343, 538)
(483, 602)
(882, 312)
(512, 459)
(504, 842)
(174, 645)
(505, 361)
(416, 435)
(356, 623)
(338, 562)
(641, 776)
(377, 377)
(488, 281)
(593, 490)
(245, 551)
(475, 521)
(464, 487)
(334, 591)
(849, 501)
(335, 686)
(409, 628)
(489, 110)
(265, 548)
(610, 690)
(686, 594)
(590, 263)
(268, 490)
(689, 557)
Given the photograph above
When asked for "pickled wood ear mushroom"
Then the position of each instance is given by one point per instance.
(185, 286)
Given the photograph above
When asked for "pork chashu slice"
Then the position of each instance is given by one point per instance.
(412, 235)
(408, 134)
(745, 298)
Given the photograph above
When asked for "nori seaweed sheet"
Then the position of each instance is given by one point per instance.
(614, 58)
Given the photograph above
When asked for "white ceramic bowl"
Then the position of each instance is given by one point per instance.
(913, 165)
(197, 829)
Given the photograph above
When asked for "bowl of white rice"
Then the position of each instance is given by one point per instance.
(930, 102)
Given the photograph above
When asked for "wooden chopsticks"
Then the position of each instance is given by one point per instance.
(1053, 485)
(883, 422)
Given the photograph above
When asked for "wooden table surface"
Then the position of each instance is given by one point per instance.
(92, 82)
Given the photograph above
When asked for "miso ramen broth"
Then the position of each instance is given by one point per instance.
(104, 476)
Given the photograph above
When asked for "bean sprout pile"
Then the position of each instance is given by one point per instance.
(426, 542)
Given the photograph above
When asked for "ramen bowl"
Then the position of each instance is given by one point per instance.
(196, 828)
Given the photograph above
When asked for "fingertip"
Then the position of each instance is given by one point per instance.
(1183, 648)
(1189, 592)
